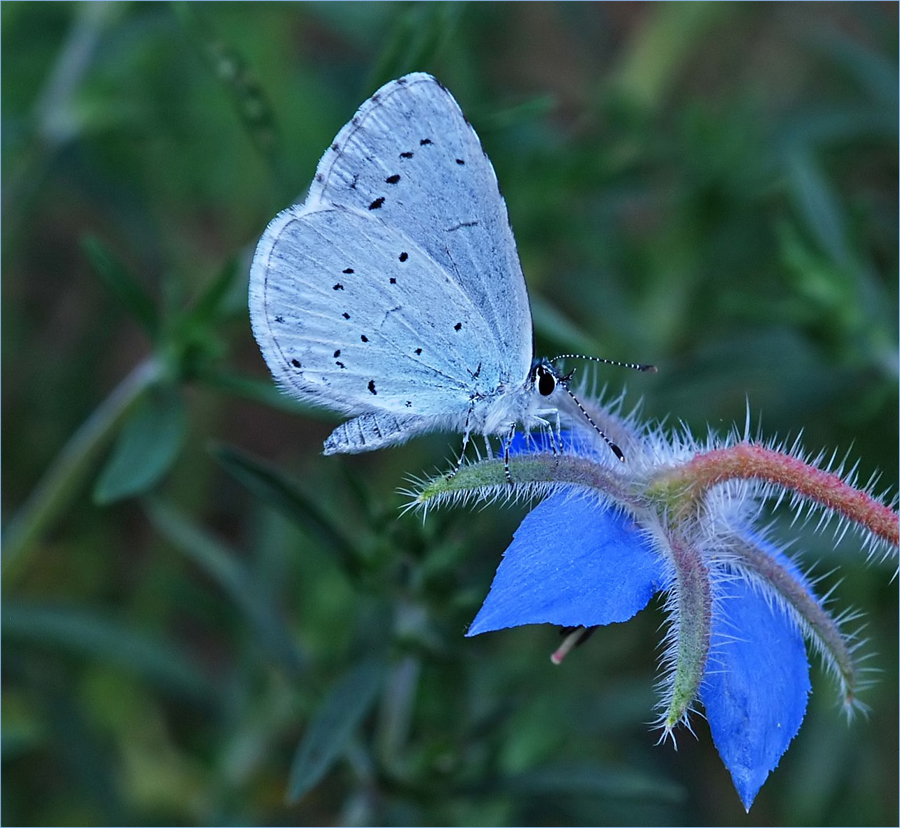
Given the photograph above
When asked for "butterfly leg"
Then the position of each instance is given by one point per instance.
(558, 433)
(551, 425)
(462, 451)
(506, 444)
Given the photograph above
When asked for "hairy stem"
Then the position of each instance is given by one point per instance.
(487, 478)
(690, 599)
(750, 462)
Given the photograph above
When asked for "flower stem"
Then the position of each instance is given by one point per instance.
(531, 475)
(690, 600)
(745, 461)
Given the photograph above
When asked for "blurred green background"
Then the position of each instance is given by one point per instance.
(193, 591)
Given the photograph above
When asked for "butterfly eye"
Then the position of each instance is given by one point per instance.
(546, 382)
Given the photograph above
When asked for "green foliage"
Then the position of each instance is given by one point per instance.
(333, 725)
(194, 595)
(148, 444)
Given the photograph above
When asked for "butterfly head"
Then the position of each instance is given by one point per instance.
(545, 378)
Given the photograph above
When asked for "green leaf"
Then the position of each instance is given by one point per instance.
(418, 36)
(90, 634)
(147, 446)
(122, 283)
(56, 489)
(275, 488)
(819, 205)
(334, 725)
(235, 580)
(211, 303)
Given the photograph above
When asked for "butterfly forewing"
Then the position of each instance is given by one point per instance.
(410, 158)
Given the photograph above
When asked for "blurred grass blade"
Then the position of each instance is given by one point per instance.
(819, 206)
(147, 446)
(661, 49)
(259, 391)
(873, 71)
(275, 488)
(557, 327)
(85, 756)
(604, 780)
(211, 304)
(122, 283)
(334, 725)
(236, 581)
(62, 480)
(418, 36)
(90, 634)
(238, 80)
(511, 117)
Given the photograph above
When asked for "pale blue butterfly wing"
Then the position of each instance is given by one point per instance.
(411, 151)
(394, 292)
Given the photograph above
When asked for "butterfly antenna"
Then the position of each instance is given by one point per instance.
(613, 447)
(636, 366)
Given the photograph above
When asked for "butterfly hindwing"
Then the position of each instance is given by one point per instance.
(353, 316)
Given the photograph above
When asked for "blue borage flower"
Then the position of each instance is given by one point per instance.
(609, 536)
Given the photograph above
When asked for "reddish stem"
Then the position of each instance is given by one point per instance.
(745, 462)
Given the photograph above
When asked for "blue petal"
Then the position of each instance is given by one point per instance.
(572, 562)
(541, 440)
(756, 684)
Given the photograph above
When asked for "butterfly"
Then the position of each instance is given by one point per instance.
(394, 292)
